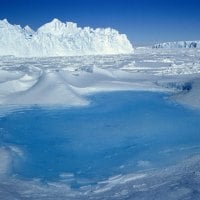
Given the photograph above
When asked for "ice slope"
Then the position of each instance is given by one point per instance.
(178, 44)
(60, 39)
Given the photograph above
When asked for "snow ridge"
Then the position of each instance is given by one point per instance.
(60, 39)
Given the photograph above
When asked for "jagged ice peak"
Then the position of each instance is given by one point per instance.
(60, 39)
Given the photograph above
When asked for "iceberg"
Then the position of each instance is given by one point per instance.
(178, 44)
(60, 39)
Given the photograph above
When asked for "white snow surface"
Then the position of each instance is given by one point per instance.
(68, 81)
(60, 39)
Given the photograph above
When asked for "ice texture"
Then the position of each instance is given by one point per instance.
(120, 149)
(60, 39)
(68, 80)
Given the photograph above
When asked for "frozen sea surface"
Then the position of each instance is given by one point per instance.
(120, 138)
(33, 81)
(101, 127)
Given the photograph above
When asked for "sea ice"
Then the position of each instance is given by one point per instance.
(68, 80)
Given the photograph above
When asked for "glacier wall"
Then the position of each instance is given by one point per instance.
(60, 39)
(178, 44)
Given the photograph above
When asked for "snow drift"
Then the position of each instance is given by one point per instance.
(60, 39)
(69, 80)
(178, 44)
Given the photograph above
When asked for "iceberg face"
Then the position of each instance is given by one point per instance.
(178, 44)
(60, 39)
(56, 27)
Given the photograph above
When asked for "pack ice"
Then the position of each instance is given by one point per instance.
(60, 39)
(69, 80)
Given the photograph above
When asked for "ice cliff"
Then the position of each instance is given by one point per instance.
(60, 39)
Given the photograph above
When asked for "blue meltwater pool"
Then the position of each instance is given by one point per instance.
(118, 133)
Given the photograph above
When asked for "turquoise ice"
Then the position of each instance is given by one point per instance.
(119, 133)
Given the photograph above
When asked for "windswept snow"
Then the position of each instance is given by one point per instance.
(60, 39)
(68, 80)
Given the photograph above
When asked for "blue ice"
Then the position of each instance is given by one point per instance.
(119, 133)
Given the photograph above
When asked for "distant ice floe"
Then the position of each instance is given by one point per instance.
(179, 44)
(60, 39)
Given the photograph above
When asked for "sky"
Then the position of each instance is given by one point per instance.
(144, 21)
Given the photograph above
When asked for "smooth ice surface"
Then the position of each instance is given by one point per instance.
(60, 39)
(88, 145)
